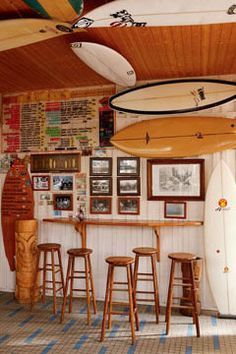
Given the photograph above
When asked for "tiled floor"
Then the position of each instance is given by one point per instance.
(22, 331)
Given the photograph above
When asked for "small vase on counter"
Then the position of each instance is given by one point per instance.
(80, 214)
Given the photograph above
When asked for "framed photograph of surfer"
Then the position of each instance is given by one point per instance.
(128, 206)
(128, 166)
(100, 205)
(41, 183)
(175, 179)
(100, 166)
(100, 186)
(63, 201)
(175, 210)
(128, 186)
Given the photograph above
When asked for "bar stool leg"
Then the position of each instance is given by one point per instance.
(136, 263)
(105, 305)
(110, 297)
(66, 288)
(35, 280)
(61, 272)
(44, 276)
(92, 285)
(169, 298)
(54, 283)
(134, 301)
(87, 289)
(131, 305)
(71, 284)
(155, 286)
(194, 300)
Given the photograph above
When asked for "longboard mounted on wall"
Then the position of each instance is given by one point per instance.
(177, 136)
(174, 96)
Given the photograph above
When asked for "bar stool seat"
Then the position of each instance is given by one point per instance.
(125, 262)
(188, 259)
(86, 274)
(52, 249)
(147, 277)
(120, 261)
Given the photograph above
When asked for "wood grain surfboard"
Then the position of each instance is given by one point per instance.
(177, 136)
(17, 204)
(174, 96)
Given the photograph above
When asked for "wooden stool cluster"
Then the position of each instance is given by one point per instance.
(130, 285)
(72, 274)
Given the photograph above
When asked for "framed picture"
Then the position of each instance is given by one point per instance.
(62, 183)
(128, 166)
(100, 186)
(100, 166)
(128, 186)
(178, 179)
(41, 183)
(175, 210)
(69, 162)
(128, 206)
(100, 205)
(63, 201)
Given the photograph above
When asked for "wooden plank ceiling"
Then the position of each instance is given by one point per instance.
(154, 52)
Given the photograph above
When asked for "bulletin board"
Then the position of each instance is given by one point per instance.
(33, 123)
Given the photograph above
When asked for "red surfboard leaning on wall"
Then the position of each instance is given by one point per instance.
(17, 204)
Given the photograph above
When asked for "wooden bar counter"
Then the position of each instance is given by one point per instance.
(81, 226)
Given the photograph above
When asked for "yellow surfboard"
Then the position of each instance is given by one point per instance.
(19, 32)
(177, 136)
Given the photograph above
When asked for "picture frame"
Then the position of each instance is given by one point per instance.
(63, 201)
(128, 206)
(62, 183)
(100, 186)
(100, 205)
(128, 186)
(175, 179)
(100, 166)
(55, 163)
(175, 210)
(128, 166)
(41, 183)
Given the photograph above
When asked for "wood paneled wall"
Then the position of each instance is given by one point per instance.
(106, 241)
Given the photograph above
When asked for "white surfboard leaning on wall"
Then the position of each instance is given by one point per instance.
(137, 13)
(220, 238)
(106, 62)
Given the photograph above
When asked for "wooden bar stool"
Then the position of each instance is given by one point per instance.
(85, 274)
(44, 249)
(188, 259)
(152, 254)
(125, 262)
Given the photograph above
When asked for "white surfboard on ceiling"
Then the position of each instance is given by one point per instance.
(219, 238)
(106, 62)
(137, 13)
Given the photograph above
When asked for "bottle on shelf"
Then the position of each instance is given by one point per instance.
(80, 214)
